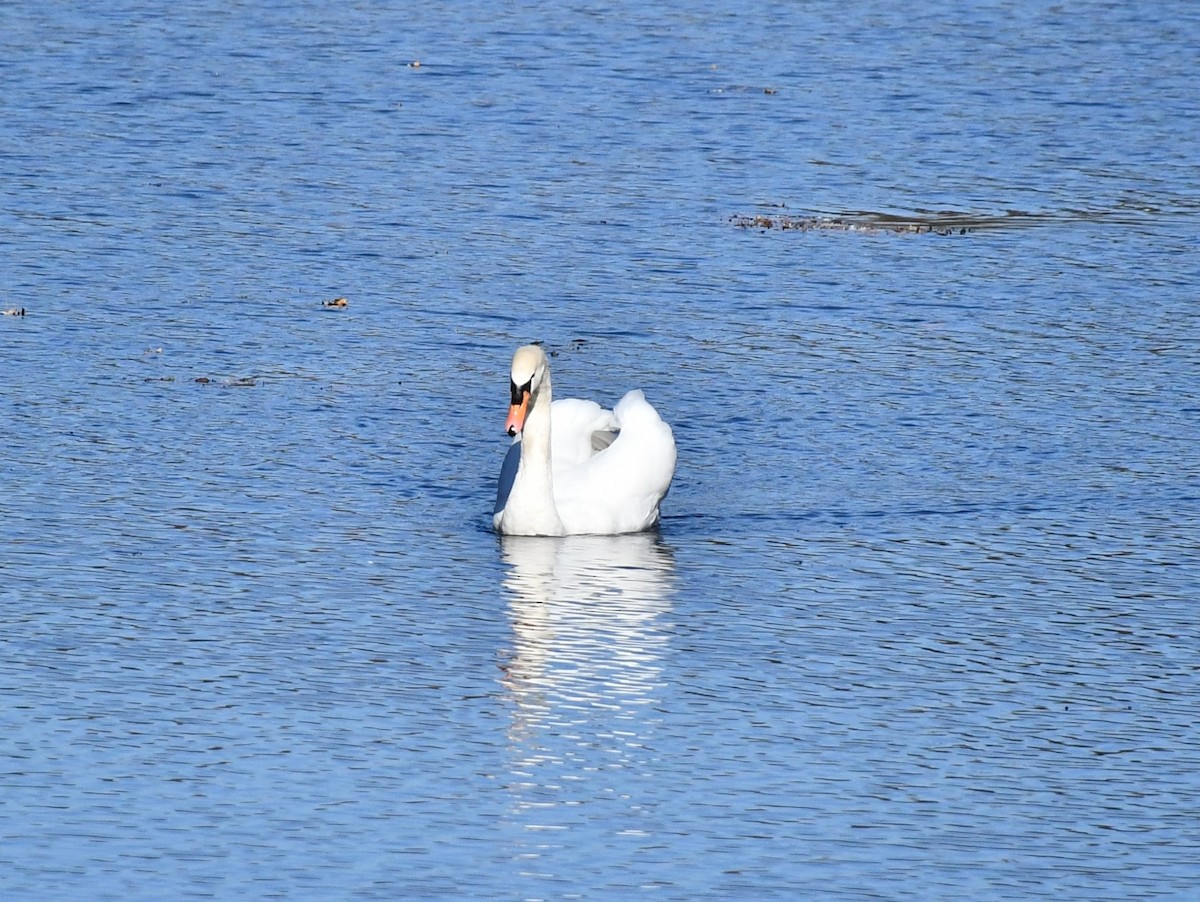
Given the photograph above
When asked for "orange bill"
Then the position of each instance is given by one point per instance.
(516, 415)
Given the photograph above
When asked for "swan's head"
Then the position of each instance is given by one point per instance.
(529, 369)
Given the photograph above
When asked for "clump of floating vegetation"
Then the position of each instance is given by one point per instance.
(858, 222)
(941, 222)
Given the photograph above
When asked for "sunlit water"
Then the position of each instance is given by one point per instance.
(920, 619)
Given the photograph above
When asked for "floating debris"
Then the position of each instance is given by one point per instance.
(576, 344)
(236, 382)
(335, 304)
(924, 222)
(15, 311)
(868, 223)
(743, 89)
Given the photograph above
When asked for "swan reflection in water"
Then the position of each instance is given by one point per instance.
(589, 633)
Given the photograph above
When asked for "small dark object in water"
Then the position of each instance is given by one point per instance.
(336, 304)
(203, 380)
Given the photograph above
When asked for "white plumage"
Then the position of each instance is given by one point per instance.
(576, 468)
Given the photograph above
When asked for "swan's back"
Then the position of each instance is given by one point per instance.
(617, 489)
(577, 432)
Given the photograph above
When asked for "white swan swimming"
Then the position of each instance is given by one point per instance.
(575, 468)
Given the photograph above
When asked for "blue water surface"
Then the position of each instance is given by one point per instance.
(919, 622)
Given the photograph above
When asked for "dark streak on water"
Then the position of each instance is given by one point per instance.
(938, 222)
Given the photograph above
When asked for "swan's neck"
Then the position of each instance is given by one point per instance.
(532, 499)
(535, 437)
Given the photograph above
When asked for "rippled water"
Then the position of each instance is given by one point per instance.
(920, 619)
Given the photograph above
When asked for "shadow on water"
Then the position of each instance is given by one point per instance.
(585, 673)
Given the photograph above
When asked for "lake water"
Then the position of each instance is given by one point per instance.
(920, 621)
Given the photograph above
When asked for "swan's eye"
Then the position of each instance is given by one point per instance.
(518, 393)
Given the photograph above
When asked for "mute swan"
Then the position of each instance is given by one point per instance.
(575, 468)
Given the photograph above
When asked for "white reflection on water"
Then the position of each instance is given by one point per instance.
(589, 633)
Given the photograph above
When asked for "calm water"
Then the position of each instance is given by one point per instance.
(920, 622)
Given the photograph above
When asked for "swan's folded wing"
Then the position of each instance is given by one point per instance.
(645, 447)
(602, 438)
(619, 489)
(574, 424)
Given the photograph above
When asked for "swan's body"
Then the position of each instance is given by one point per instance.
(576, 468)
